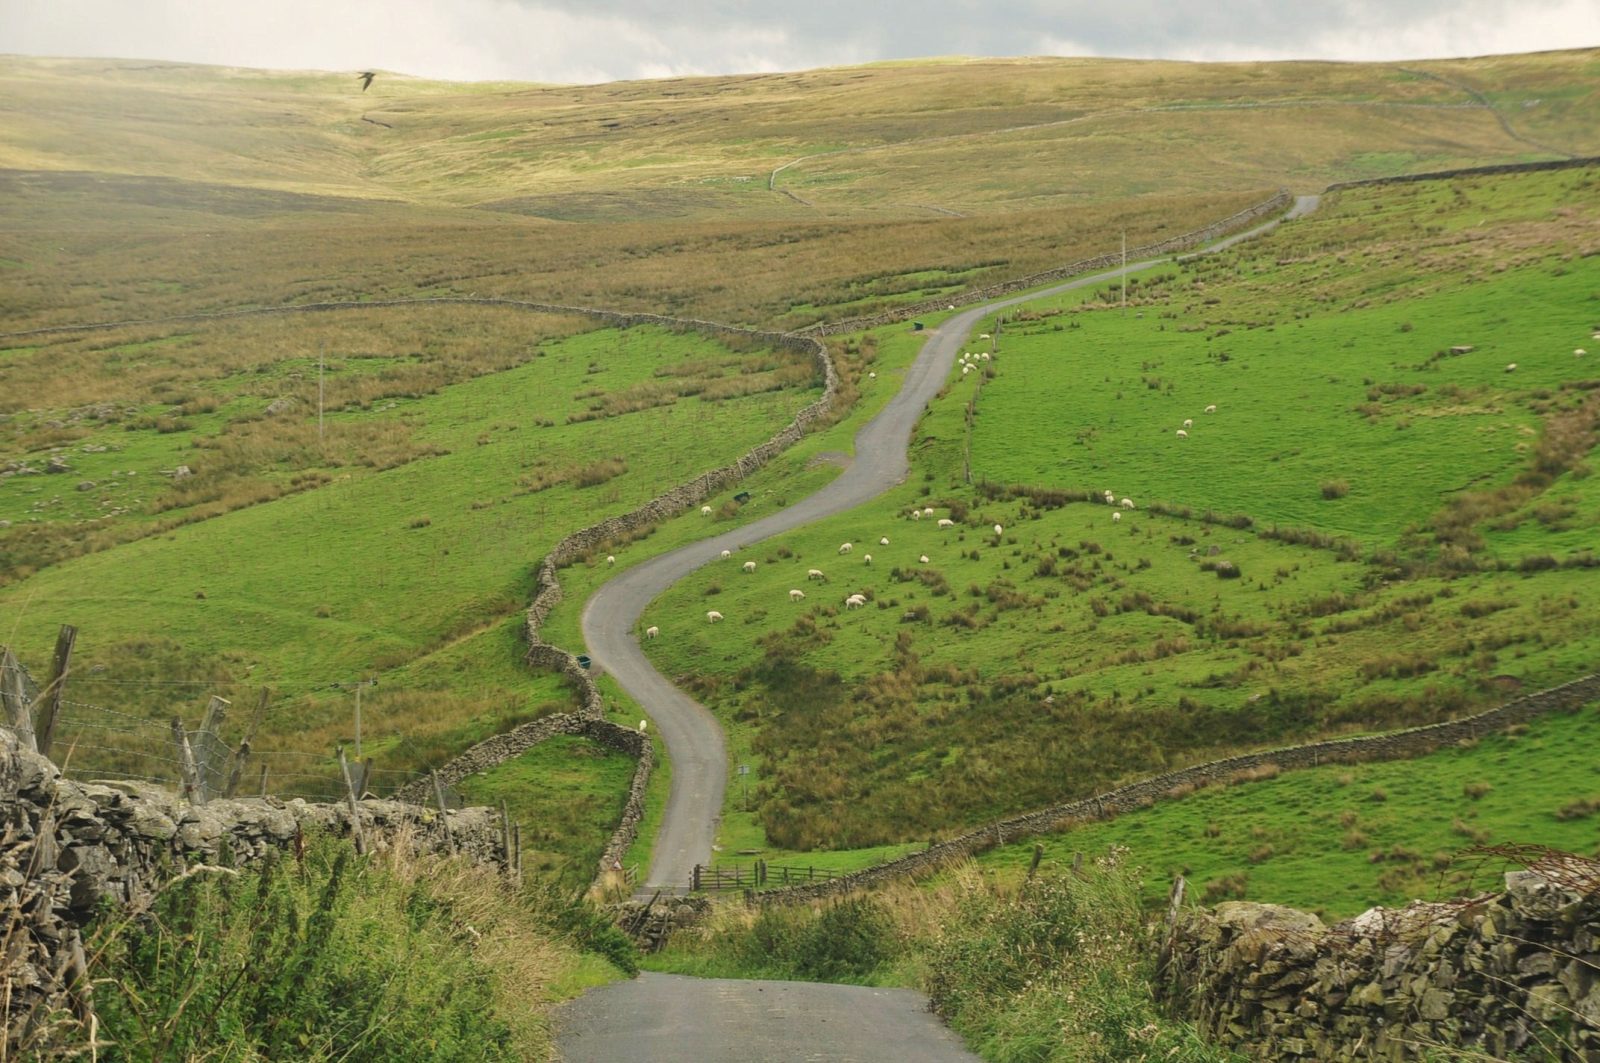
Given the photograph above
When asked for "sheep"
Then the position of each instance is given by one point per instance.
(726, 554)
(923, 559)
(872, 376)
(643, 726)
(1127, 503)
(651, 632)
(998, 529)
(916, 514)
(1111, 498)
(883, 541)
(611, 559)
(984, 356)
(928, 512)
(1188, 422)
(1212, 408)
(705, 511)
(713, 616)
(749, 566)
(1182, 434)
(1116, 518)
(795, 594)
(845, 548)
(946, 522)
(966, 369)
(1578, 352)
(815, 573)
(868, 559)
(1511, 367)
(983, 335)
(855, 601)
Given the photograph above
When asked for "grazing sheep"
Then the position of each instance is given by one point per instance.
(845, 548)
(1212, 408)
(1116, 517)
(643, 726)
(928, 512)
(872, 376)
(923, 559)
(983, 335)
(705, 511)
(916, 514)
(868, 559)
(1127, 503)
(883, 541)
(815, 573)
(966, 369)
(713, 616)
(998, 529)
(651, 632)
(1188, 422)
(984, 356)
(946, 522)
(749, 566)
(1182, 434)
(1111, 498)
(1511, 367)
(795, 594)
(855, 601)
(611, 559)
(726, 554)
(1578, 352)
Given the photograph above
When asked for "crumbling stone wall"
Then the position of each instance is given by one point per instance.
(1411, 742)
(1495, 975)
(68, 847)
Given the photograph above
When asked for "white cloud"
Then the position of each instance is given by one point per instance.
(602, 40)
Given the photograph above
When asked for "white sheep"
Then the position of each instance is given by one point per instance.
(726, 554)
(1111, 498)
(923, 559)
(1127, 503)
(845, 548)
(1182, 434)
(651, 632)
(611, 559)
(984, 356)
(883, 541)
(1511, 367)
(946, 522)
(713, 616)
(643, 726)
(705, 511)
(1212, 408)
(966, 369)
(795, 594)
(855, 601)
(1188, 422)
(1116, 518)
(872, 376)
(998, 529)
(749, 566)
(868, 559)
(1578, 352)
(815, 573)
(983, 335)
(916, 514)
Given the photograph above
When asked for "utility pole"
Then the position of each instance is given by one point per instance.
(1124, 270)
(358, 685)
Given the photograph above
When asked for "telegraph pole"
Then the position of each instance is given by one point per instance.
(1124, 270)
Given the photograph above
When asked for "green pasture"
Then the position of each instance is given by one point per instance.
(566, 793)
(1341, 838)
(417, 573)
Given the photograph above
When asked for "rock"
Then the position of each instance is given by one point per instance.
(87, 485)
(57, 465)
(1435, 1005)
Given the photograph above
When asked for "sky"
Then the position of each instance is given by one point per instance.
(587, 41)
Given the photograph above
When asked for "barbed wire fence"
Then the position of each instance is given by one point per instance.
(208, 758)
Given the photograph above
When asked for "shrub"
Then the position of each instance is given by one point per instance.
(1332, 489)
(1476, 790)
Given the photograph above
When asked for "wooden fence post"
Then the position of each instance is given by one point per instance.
(187, 773)
(694, 880)
(263, 779)
(516, 839)
(1038, 854)
(1169, 937)
(241, 757)
(444, 815)
(210, 761)
(355, 807)
(14, 693)
(505, 835)
(50, 705)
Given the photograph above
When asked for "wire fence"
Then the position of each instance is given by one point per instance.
(207, 755)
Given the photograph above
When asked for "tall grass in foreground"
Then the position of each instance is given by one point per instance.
(325, 955)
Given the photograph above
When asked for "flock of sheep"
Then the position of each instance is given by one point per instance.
(1188, 422)
(969, 361)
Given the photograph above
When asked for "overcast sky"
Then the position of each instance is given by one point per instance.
(606, 40)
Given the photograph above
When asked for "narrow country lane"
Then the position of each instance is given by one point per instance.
(693, 738)
(665, 1018)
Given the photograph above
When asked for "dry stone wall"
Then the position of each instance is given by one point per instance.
(1172, 785)
(1472, 171)
(68, 847)
(1497, 975)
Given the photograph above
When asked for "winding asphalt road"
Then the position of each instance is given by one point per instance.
(692, 735)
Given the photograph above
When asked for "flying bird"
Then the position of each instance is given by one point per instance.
(366, 77)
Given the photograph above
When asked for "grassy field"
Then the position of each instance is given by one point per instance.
(1070, 651)
(417, 573)
(1339, 839)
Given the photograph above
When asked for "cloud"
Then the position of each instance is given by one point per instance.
(604, 40)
